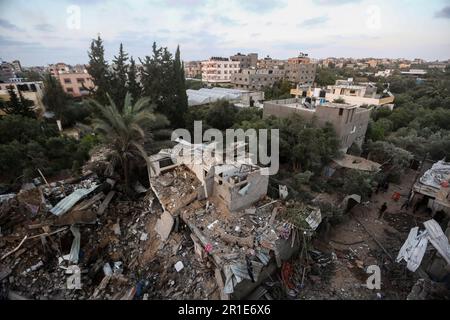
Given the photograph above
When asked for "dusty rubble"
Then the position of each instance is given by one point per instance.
(84, 238)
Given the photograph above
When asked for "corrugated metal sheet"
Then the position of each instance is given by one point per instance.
(438, 239)
(4, 197)
(68, 202)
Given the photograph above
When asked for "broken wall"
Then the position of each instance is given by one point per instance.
(257, 188)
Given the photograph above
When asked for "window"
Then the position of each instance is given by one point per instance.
(341, 111)
(80, 80)
(67, 80)
(69, 89)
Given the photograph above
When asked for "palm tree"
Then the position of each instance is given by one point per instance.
(124, 132)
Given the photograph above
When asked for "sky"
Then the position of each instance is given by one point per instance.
(41, 32)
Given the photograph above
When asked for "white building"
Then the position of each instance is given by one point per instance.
(384, 73)
(219, 70)
(415, 72)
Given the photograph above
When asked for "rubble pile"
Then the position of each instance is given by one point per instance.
(240, 244)
(83, 239)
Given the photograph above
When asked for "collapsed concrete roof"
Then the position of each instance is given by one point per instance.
(217, 203)
(353, 162)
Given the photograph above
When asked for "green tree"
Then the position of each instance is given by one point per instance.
(134, 87)
(180, 98)
(279, 90)
(221, 115)
(124, 132)
(17, 104)
(157, 74)
(99, 71)
(54, 98)
(325, 77)
(119, 83)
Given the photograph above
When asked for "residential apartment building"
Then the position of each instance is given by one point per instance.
(358, 94)
(349, 121)
(256, 79)
(193, 69)
(301, 70)
(75, 81)
(247, 61)
(269, 63)
(438, 65)
(60, 67)
(76, 84)
(31, 90)
(7, 71)
(219, 69)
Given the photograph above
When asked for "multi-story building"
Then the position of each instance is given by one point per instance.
(349, 121)
(58, 68)
(75, 81)
(76, 84)
(256, 79)
(247, 61)
(269, 63)
(31, 90)
(219, 69)
(301, 70)
(193, 69)
(372, 63)
(7, 71)
(358, 94)
(438, 65)
(404, 65)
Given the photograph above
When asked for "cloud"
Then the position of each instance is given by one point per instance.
(444, 13)
(184, 3)
(261, 6)
(45, 27)
(334, 2)
(227, 21)
(8, 42)
(8, 25)
(313, 22)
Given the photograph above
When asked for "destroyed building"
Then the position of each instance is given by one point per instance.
(433, 186)
(218, 202)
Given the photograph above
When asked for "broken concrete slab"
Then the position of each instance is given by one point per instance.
(76, 217)
(164, 225)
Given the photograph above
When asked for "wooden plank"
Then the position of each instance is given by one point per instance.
(89, 202)
(106, 202)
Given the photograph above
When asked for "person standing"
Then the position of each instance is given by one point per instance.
(382, 210)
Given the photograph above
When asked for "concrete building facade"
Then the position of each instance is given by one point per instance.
(7, 71)
(219, 69)
(31, 90)
(246, 61)
(75, 81)
(349, 121)
(193, 69)
(301, 70)
(76, 84)
(256, 79)
(358, 94)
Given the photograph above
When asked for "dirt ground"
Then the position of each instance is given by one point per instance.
(353, 249)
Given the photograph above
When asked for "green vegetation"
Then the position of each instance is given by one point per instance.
(420, 122)
(122, 129)
(17, 104)
(279, 90)
(27, 144)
